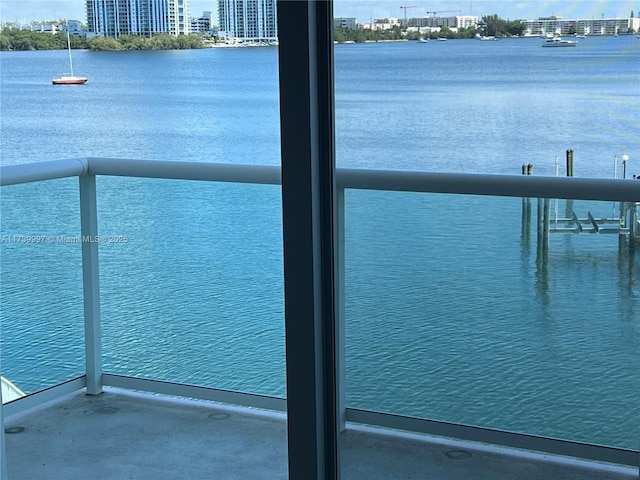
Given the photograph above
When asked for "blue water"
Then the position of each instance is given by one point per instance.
(450, 314)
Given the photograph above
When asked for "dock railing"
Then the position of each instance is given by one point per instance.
(86, 169)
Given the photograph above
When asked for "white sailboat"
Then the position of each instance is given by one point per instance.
(69, 78)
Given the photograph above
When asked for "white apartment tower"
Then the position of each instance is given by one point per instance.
(112, 18)
(248, 20)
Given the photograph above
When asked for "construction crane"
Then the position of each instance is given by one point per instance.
(441, 11)
(405, 7)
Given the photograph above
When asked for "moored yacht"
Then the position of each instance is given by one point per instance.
(559, 42)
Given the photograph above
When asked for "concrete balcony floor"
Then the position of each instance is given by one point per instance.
(128, 435)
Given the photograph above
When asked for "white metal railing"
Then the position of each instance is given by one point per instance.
(451, 183)
(573, 188)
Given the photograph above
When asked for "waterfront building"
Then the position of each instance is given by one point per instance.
(51, 27)
(112, 18)
(42, 27)
(466, 21)
(383, 24)
(248, 20)
(345, 22)
(454, 22)
(601, 26)
(74, 27)
(203, 24)
(449, 22)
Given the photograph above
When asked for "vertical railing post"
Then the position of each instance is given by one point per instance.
(91, 284)
(341, 393)
(3, 449)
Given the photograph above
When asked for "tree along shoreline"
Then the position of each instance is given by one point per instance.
(26, 40)
(491, 25)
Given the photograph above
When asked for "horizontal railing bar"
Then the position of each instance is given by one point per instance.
(572, 188)
(41, 397)
(212, 172)
(39, 171)
(194, 391)
(569, 448)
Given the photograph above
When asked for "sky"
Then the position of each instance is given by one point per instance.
(365, 10)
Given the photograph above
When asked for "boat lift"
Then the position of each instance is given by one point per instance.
(623, 222)
(626, 225)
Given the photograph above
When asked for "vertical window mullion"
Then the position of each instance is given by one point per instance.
(308, 192)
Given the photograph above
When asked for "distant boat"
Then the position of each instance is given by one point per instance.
(442, 39)
(69, 78)
(423, 40)
(559, 42)
(485, 38)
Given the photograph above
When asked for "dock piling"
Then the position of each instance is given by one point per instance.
(569, 163)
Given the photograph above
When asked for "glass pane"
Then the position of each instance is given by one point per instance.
(203, 105)
(453, 313)
(194, 293)
(41, 325)
(450, 313)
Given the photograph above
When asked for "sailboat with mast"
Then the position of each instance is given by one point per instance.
(69, 78)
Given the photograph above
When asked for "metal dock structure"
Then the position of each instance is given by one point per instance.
(623, 221)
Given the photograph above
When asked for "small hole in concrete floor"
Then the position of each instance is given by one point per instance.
(457, 454)
(14, 430)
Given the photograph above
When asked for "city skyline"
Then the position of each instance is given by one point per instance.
(25, 11)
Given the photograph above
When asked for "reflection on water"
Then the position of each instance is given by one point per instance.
(548, 223)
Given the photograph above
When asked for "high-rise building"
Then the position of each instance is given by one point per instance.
(248, 20)
(112, 18)
(203, 24)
